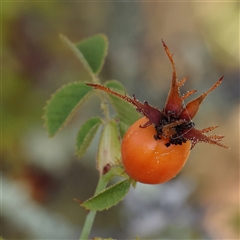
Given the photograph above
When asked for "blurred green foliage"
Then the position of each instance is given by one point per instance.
(204, 38)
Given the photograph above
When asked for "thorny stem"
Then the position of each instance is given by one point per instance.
(102, 183)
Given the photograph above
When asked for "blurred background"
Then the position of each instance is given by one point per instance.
(41, 176)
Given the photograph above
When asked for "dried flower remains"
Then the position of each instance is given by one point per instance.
(174, 121)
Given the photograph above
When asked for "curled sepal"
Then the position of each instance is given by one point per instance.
(86, 134)
(153, 114)
(196, 136)
(109, 147)
(192, 107)
(174, 101)
(108, 197)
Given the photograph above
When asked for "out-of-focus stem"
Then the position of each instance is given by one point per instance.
(102, 183)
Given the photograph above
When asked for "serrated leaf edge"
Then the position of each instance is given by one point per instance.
(112, 186)
(71, 114)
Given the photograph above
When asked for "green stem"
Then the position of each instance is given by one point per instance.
(102, 96)
(88, 225)
(103, 180)
(102, 183)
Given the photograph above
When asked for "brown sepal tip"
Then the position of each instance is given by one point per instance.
(174, 121)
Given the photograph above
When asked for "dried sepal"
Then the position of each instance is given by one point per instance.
(188, 94)
(174, 122)
(192, 107)
(182, 81)
(174, 101)
(196, 136)
(209, 129)
(153, 114)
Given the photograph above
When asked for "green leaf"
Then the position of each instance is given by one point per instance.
(86, 134)
(91, 51)
(94, 50)
(126, 112)
(109, 146)
(76, 52)
(109, 197)
(63, 104)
